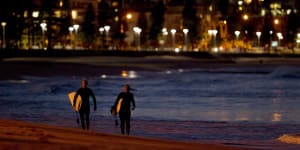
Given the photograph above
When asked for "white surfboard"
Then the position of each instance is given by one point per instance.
(116, 109)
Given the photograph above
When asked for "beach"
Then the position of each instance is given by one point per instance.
(16, 135)
(28, 135)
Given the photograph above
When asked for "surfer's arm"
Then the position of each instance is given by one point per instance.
(133, 103)
(94, 100)
(117, 100)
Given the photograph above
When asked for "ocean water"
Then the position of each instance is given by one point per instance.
(236, 106)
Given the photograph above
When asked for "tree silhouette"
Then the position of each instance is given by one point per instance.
(104, 14)
(222, 6)
(12, 14)
(88, 26)
(157, 18)
(143, 24)
(48, 16)
(65, 21)
(268, 30)
(190, 20)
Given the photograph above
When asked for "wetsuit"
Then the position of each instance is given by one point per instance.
(84, 110)
(125, 110)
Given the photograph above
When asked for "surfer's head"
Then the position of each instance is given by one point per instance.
(127, 88)
(84, 83)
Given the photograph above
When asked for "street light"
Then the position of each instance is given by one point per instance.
(173, 32)
(237, 34)
(280, 37)
(76, 27)
(3, 24)
(214, 34)
(258, 34)
(165, 34)
(44, 28)
(185, 31)
(128, 16)
(137, 32)
(276, 21)
(106, 28)
(298, 40)
(101, 30)
(245, 17)
(271, 34)
(71, 29)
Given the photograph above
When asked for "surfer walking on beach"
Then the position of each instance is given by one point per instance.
(84, 110)
(127, 99)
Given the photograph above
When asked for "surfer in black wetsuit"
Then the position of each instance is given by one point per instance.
(125, 110)
(84, 110)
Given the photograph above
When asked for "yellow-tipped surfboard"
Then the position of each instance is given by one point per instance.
(78, 101)
(119, 106)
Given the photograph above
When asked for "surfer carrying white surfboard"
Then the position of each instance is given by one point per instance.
(125, 109)
(84, 110)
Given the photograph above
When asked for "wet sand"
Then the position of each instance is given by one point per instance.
(16, 135)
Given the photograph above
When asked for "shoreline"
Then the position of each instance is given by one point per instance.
(13, 68)
(20, 135)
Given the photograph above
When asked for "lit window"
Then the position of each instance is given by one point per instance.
(116, 18)
(210, 8)
(35, 14)
(57, 14)
(74, 14)
(61, 3)
(114, 4)
(240, 8)
(25, 14)
(248, 1)
(263, 12)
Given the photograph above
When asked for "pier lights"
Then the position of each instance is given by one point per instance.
(185, 31)
(3, 24)
(44, 29)
(258, 34)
